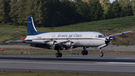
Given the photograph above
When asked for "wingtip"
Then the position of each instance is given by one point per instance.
(9, 41)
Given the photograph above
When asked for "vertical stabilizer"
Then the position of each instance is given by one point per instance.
(31, 30)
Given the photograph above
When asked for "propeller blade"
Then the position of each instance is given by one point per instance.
(71, 48)
(53, 47)
(110, 42)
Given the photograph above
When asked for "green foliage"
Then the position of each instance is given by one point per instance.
(83, 9)
(127, 10)
(119, 8)
(89, 11)
(133, 5)
(105, 5)
(96, 11)
(21, 18)
(116, 9)
(124, 2)
(109, 13)
(13, 12)
(53, 13)
(4, 11)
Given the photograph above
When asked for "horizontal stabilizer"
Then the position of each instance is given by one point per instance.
(25, 41)
(15, 41)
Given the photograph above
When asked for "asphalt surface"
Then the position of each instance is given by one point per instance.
(109, 64)
(113, 48)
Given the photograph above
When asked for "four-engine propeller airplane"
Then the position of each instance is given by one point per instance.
(65, 40)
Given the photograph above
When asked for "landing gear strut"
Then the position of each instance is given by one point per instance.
(84, 52)
(59, 54)
(101, 53)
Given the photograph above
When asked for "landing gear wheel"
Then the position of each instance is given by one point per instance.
(84, 52)
(101, 54)
(58, 55)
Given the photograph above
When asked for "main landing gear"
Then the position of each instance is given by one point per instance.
(101, 53)
(84, 52)
(59, 54)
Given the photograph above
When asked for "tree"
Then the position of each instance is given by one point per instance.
(38, 12)
(68, 13)
(85, 0)
(128, 10)
(105, 5)
(83, 9)
(4, 11)
(96, 10)
(133, 6)
(116, 9)
(50, 12)
(109, 13)
(21, 18)
(13, 12)
(77, 0)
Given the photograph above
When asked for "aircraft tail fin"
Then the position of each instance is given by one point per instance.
(31, 30)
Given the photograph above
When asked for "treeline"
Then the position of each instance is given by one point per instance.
(53, 13)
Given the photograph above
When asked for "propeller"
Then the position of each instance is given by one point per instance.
(54, 44)
(68, 45)
(53, 47)
(109, 40)
(71, 47)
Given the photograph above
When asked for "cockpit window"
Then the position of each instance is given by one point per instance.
(100, 36)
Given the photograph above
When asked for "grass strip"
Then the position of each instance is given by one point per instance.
(64, 52)
(30, 73)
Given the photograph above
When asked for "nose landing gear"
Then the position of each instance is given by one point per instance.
(101, 54)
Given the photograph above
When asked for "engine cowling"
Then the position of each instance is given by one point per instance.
(51, 44)
(108, 40)
(69, 44)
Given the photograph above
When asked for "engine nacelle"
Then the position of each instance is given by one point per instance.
(51, 43)
(68, 44)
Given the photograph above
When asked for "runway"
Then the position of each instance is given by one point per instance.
(109, 64)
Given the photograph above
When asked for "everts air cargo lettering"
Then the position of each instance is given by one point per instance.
(70, 35)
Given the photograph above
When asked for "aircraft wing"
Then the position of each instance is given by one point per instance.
(25, 41)
(119, 34)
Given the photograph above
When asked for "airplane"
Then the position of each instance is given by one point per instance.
(65, 40)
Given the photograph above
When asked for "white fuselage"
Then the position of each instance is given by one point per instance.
(80, 39)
